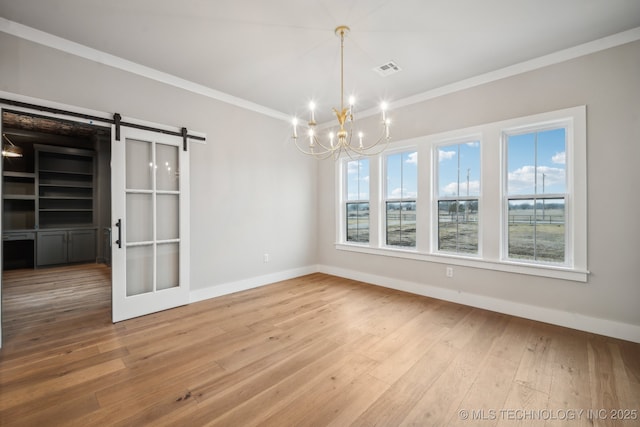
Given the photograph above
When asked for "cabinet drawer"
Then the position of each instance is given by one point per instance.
(19, 236)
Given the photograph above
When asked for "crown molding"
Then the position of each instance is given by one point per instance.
(520, 68)
(68, 46)
(77, 49)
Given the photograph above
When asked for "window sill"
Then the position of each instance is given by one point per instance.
(563, 273)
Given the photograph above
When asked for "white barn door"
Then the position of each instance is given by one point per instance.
(150, 216)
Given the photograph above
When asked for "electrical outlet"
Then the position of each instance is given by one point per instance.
(449, 271)
(266, 258)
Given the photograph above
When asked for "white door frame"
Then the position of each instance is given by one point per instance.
(26, 110)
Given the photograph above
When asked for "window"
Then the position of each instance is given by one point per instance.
(536, 195)
(457, 195)
(506, 196)
(357, 200)
(400, 200)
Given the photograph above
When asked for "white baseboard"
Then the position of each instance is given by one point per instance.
(577, 321)
(250, 283)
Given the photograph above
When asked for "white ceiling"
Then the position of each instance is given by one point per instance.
(282, 53)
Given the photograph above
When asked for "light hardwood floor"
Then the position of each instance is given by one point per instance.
(317, 350)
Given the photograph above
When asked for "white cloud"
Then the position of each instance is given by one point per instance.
(523, 176)
(396, 193)
(521, 180)
(354, 167)
(451, 189)
(399, 192)
(559, 158)
(552, 175)
(413, 158)
(445, 155)
(473, 144)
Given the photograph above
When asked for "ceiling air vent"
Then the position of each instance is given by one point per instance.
(387, 69)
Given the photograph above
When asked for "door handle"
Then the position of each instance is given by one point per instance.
(119, 241)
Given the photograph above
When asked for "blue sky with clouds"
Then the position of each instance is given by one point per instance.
(454, 163)
(535, 159)
(402, 175)
(358, 179)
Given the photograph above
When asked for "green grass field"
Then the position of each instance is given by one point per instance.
(549, 242)
(532, 235)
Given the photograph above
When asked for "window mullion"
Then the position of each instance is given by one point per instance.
(535, 198)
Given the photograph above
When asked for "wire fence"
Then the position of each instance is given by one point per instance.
(538, 219)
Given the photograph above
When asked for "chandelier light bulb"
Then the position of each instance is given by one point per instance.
(352, 100)
(312, 107)
(383, 107)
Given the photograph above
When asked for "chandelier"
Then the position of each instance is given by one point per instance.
(341, 141)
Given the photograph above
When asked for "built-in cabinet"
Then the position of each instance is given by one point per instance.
(65, 246)
(49, 207)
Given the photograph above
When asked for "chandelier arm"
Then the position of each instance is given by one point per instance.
(324, 147)
(305, 148)
(317, 155)
(324, 152)
(321, 156)
(367, 150)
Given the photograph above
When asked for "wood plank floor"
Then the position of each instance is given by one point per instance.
(317, 350)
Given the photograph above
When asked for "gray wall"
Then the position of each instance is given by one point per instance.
(608, 83)
(251, 191)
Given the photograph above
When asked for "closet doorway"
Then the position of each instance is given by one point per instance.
(56, 225)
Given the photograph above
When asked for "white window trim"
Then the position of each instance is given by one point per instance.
(436, 197)
(382, 205)
(491, 200)
(342, 200)
(567, 124)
